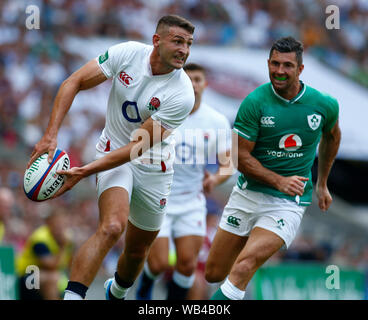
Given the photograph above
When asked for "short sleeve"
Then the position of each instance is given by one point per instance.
(332, 114)
(111, 61)
(247, 119)
(174, 111)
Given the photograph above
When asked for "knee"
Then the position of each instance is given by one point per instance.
(245, 267)
(158, 266)
(214, 274)
(186, 266)
(112, 231)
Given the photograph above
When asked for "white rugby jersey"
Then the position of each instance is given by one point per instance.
(203, 135)
(136, 95)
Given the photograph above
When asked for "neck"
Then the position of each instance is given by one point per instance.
(290, 92)
(157, 66)
(197, 103)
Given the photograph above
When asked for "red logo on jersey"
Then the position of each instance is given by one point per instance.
(125, 78)
(290, 142)
(154, 104)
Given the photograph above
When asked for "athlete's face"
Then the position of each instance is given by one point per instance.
(174, 46)
(199, 82)
(284, 70)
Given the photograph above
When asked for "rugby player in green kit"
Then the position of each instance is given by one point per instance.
(278, 128)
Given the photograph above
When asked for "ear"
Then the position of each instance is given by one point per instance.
(156, 40)
(300, 69)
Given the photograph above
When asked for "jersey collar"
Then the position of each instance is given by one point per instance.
(296, 98)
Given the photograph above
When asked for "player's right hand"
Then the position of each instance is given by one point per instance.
(293, 185)
(46, 144)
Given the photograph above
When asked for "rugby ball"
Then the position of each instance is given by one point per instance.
(41, 181)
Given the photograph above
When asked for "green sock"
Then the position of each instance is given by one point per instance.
(218, 295)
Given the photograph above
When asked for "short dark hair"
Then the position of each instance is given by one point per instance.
(194, 67)
(177, 21)
(289, 44)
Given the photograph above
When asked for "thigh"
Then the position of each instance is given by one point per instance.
(225, 248)
(138, 240)
(113, 206)
(158, 257)
(187, 248)
(149, 197)
(261, 245)
(281, 216)
(191, 221)
(119, 177)
(114, 189)
(239, 213)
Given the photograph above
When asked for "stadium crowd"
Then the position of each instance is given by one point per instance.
(33, 63)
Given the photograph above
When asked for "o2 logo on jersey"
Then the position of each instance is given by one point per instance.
(130, 111)
(125, 79)
(290, 142)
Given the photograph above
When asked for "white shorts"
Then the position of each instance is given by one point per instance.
(148, 192)
(247, 209)
(184, 218)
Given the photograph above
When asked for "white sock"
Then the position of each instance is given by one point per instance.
(148, 272)
(118, 291)
(232, 292)
(70, 295)
(182, 280)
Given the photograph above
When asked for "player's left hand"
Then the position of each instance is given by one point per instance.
(73, 176)
(324, 197)
(209, 182)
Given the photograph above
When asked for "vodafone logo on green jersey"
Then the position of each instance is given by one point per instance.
(290, 142)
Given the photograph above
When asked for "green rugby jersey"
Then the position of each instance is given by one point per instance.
(286, 133)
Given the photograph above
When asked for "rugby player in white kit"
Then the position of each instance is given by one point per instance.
(134, 168)
(202, 138)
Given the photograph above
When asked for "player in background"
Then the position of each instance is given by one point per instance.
(150, 96)
(279, 126)
(50, 249)
(198, 141)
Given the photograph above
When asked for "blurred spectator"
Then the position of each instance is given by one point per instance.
(7, 201)
(49, 249)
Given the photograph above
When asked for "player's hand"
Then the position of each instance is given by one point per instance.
(293, 185)
(73, 176)
(324, 197)
(209, 182)
(46, 144)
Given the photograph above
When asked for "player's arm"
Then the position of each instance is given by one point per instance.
(150, 133)
(88, 76)
(224, 172)
(251, 167)
(328, 147)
